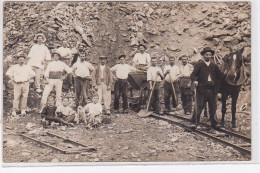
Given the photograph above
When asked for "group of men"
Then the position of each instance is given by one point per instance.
(205, 77)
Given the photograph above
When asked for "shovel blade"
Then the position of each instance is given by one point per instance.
(143, 113)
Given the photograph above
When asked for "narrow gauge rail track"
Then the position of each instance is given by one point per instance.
(240, 147)
(50, 139)
(247, 139)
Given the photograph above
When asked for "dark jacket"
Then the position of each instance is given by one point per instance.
(201, 72)
(96, 77)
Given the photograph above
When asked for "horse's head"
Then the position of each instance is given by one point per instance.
(232, 66)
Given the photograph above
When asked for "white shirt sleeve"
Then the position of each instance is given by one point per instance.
(46, 74)
(67, 68)
(31, 72)
(10, 72)
(131, 68)
(31, 51)
(148, 59)
(47, 54)
(149, 75)
(114, 68)
(90, 66)
(135, 59)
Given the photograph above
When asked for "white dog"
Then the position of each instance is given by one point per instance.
(80, 115)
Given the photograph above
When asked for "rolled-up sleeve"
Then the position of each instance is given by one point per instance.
(149, 75)
(47, 54)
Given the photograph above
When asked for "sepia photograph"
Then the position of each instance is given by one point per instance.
(126, 82)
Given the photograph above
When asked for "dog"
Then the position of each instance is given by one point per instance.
(80, 115)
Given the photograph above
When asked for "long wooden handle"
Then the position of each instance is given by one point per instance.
(149, 100)
(174, 93)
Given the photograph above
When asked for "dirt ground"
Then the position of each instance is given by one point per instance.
(127, 138)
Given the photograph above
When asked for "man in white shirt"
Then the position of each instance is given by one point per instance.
(155, 74)
(171, 73)
(81, 72)
(121, 85)
(142, 60)
(185, 84)
(20, 74)
(39, 57)
(54, 78)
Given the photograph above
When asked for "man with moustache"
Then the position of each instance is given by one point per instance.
(206, 76)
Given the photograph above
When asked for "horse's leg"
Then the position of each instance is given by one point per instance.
(234, 103)
(224, 108)
(205, 109)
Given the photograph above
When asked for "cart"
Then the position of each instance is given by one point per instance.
(138, 90)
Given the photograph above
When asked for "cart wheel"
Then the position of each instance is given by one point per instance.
(144, 94)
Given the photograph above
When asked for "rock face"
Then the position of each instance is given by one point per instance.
(113, 28)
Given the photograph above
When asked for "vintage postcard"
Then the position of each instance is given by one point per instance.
(126, 82)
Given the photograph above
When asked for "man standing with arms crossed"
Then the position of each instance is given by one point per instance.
(39, 58)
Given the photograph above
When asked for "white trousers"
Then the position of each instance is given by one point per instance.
(105, 94)
(20, 96)
(57, 83)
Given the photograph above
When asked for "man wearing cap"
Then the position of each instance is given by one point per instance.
(155, 74)
(142, 60)
(81, 72)
(171, 73)
(54, 78)
(206, 76)
(39, 57)
(102, 79)
(20, 74)
(121, 86)
(185, 84)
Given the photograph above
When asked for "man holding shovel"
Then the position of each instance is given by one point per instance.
(171, 73)
(154, 77)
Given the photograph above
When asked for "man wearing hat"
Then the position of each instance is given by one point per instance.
(185, 84)
(206, 76)
(54, 77)
(102, 79)
(142, 60)
(121, 86)
(81, 72)
(20, 74)
(38, 55)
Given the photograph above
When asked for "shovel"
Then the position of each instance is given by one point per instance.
(146, 113)
(195, 106)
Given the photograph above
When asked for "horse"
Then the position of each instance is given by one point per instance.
(234, 76)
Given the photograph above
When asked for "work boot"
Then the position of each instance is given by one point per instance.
(116, 111)
(108, 112)
(23, 113)
(167, 111)
(215, 125)
(126, 111)
(187, 113)
(193, 126)
(234, 124)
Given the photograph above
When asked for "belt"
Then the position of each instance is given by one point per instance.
(55, 74)
(21, 82)
(83, 78)
(123, 80)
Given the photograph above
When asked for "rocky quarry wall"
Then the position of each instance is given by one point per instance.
(111, 28)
